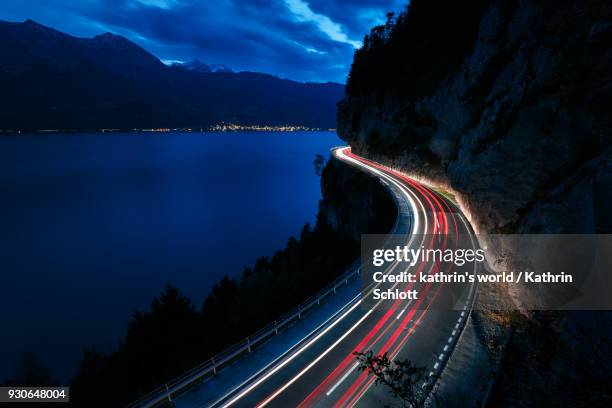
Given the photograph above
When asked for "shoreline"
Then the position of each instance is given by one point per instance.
(216, 128)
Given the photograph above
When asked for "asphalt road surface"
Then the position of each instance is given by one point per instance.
(323, 371)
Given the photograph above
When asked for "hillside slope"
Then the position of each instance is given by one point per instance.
(51, 80)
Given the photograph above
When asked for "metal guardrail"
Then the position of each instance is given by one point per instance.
(164, 393)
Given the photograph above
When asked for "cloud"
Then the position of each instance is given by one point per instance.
(301, 10)
(163, 4)
(309, 40)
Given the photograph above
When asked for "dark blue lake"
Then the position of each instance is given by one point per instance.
(94, 225)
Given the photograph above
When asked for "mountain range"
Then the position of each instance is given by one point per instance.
(199, 66)
(51, 80)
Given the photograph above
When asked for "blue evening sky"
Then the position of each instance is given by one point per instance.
(307, 40)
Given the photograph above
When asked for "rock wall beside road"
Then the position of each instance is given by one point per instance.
(520, 130)
(506, 104)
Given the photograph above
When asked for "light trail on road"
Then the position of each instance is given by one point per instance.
(323, 370)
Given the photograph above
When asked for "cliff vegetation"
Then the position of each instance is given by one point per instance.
(506, 104)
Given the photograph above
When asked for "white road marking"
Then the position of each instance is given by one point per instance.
(403, 310)
(332, 389)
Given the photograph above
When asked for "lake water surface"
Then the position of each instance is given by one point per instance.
(93, 226)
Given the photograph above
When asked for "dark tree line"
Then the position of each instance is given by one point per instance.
(174, 335)
(413, 51)
(30, 370)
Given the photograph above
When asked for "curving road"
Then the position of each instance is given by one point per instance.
(322, 371)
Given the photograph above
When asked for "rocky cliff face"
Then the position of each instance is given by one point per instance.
(507, 104)
(519, 129)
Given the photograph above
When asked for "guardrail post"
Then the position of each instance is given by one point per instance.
(249, 344)
(214, 365)
(299, 312)
(275, 327)
(319, 300)
(334, 290)
(168, 392)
